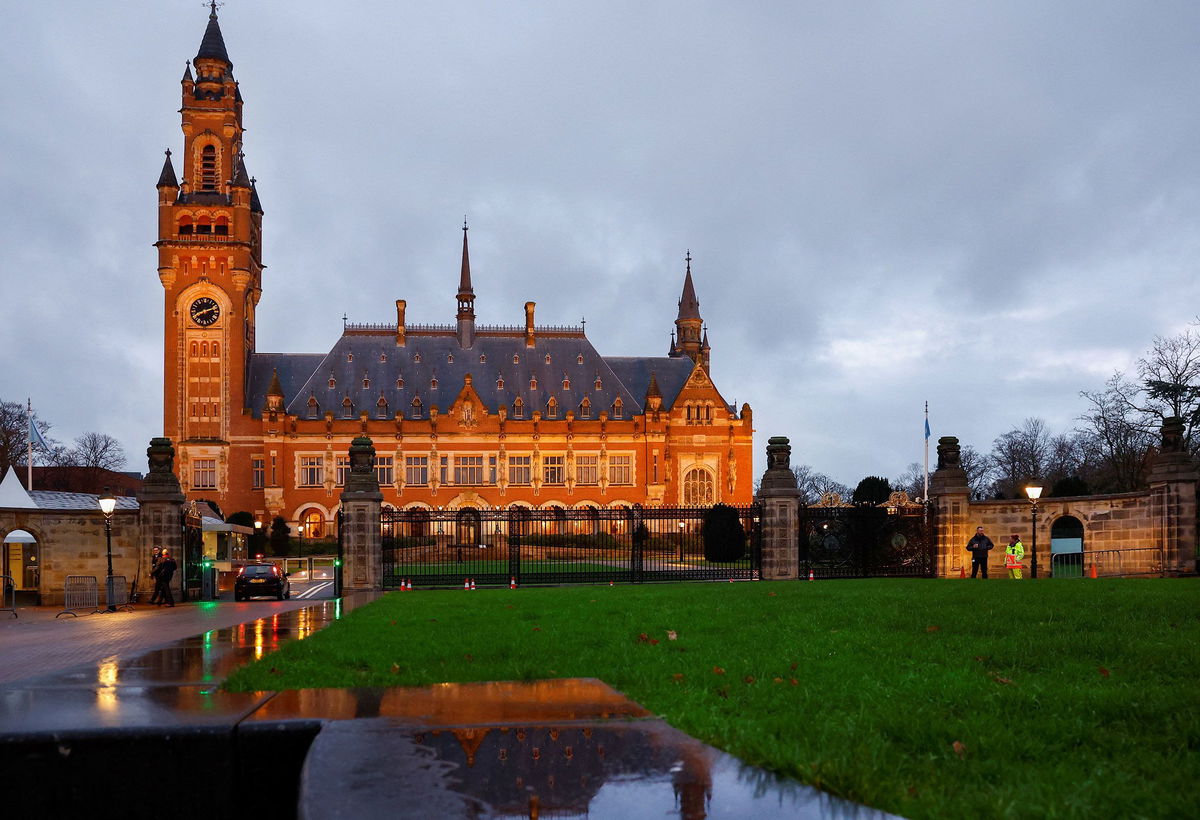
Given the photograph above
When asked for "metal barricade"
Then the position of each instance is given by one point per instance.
(8, 595)
(1114, 563)
(80, 592)
(117, 592)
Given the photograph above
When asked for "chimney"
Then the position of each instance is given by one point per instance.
(400, 305)
(529, 338)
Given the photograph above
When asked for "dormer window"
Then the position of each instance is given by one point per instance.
(618, 409)
(585, 409)
(400, 383)
(349, 357)
(314, 409)
(332, 382)
(482, 359)
(382, 357)
(599, 384)
(579, 358)
(381, 408)
(547, 358)
(516, 359)
(366, 384)
(500, 383)
(533, 383)
(552, 409)
(417, 358)
(347, 408)
(450, 358)
(566, 384)
(416, 408)
(518, 409)
(433, 383)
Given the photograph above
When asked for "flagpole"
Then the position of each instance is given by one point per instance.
(29, 435)
(927, 451)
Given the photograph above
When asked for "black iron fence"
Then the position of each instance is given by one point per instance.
(867, 541)
(497, 546)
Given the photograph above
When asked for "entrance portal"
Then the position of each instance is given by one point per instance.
(21, 562)
(1066, 548)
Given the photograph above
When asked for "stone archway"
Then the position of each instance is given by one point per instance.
(22, 559)
(1066, 547)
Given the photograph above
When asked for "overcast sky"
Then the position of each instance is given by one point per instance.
(989, 206)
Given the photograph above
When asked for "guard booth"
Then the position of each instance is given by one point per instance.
(191, 562)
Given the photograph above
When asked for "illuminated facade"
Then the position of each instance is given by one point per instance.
(460, 414)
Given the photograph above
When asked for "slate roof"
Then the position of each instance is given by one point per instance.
(428, 355)
(213, 44)
(50, 500)
(167, 178)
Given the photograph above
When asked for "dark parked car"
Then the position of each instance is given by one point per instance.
(261, 579)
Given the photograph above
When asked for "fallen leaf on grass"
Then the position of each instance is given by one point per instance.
(770, 594)
(933, 628)
(537, 629)
(793, 666)
(677, 677)
(960, 749)
(393, 623)
(979, 657)
(1104, 672)
(748, 679)
(672, 635)
(469, 656)
(718, 670)
(644, 638)
(794, 682)
(778, 680)
(999, 679)
(395, 669)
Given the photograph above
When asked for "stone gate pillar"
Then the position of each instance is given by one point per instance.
(1173, 479)
(781, 514)
(951, 498)
(160, 514)
(360, 534)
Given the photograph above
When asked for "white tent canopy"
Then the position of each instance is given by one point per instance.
(13, 495)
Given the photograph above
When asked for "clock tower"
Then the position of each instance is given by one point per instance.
(210, 265)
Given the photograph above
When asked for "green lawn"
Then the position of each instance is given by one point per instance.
(925, 698)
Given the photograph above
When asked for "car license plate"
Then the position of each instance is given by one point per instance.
(258, 580)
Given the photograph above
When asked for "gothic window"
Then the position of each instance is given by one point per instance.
(208, 168)
(221, 226)
(697, 487)
(347, 408)
(552, 408)
(185, 226)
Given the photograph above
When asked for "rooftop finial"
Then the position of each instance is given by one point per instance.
(213, 5)
(464, 222)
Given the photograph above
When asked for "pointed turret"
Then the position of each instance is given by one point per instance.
(688, 322)
(255, 205)
(213, 44)
(275, 398)
(466, 298)
(187, 74)
(167, 178)
(705, 351)
(673, 350)
(653, 394)
(240, 178)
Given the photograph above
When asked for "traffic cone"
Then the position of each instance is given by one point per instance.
(810, 576)
(1092, 571)
(466, 585)
(472, 584)
(962, 572)
(409, 586)
(612, 583)
(512, 582)
(404, 585)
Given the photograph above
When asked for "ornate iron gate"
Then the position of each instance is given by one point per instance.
(494, 546)
(895, 540)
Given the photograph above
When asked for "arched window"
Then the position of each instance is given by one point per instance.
(516, 359)
(216, 349)
(599, 384)
(347, 408)
(185, 225)
(313, 522)
(208, 168)
(383, 357)
(417, 358)
(579, 358)
(332, 382)
(482, 358)
(204, 348)
(450, 358)
(547, 358)
(195, 349)
(697, 487)
(221, 226)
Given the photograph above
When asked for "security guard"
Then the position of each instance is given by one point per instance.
(1013, 554)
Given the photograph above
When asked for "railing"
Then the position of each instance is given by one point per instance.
(204, 238)
(559, 546)
(80, 592)
(8, 593)
(1114, 563)
(386, 327)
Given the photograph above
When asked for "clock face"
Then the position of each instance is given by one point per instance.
(205, 311)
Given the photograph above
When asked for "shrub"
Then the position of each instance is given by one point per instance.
(724, 535)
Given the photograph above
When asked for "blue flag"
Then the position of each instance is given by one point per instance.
(927, 429)
(35, 435)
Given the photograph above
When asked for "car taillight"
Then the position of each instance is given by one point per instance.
(241, 571)
(275, 570)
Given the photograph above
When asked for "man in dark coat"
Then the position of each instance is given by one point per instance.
(154, 559)
(163, 574)
(979, 546)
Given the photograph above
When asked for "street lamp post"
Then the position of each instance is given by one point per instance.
(107, 505)
(1034, 491)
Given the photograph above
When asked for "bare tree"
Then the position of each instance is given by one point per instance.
(979, 470)
(1019, 456)
(1118, 438)
(911, 481)
(813, 485)
(98, 451)
(14, 436)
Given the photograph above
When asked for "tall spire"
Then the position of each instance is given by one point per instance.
(689, 305)
(213, 44)
(167, 178)
(688, 323)
(466, 298)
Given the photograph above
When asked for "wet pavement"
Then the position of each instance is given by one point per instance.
(128, 685)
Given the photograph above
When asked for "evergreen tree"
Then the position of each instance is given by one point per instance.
(724, 536)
